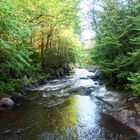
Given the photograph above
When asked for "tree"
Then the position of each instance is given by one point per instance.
(117, 51)
(29, 33)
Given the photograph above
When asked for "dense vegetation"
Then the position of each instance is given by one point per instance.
(39, 40)
(117, 48)
(36, 40)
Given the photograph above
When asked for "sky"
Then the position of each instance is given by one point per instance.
(86, 32)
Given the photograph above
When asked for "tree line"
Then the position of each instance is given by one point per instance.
(117, 47)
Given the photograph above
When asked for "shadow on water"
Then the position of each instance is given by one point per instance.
(65, 117)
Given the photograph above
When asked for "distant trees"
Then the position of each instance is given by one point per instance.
(117, 51)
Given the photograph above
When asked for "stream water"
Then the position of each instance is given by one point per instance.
(63, 109)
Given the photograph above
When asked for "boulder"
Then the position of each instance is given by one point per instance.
(17, 97)
(96, 76)
(7, 102)
(21, 90)
(129, 118)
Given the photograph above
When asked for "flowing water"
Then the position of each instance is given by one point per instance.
(63, 109)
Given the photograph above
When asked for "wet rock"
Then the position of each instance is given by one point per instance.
(22, 90)
(31, 86)
(105, 102)
(64, 95)
(6, 131)
(42, 82)
(129, 118)
(97, 75)
(19, 130)
(79, 90)
(45, 95)
(100, 83)
(96, 83)
(132, 99)
(121, 109)
(84, 78)
(7, 102)
(84, 91)
(17, 97)
(52, 103)
(108, 98)
(18, 104)
(92, 69)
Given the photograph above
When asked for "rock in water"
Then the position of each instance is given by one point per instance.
(7, 101)
(129, 118)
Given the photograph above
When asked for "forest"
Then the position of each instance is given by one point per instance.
(69, 69)
(36, 41)
(40, 39)
(117, 47)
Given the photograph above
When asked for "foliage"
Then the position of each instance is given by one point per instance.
(118, 42)
(135, 85)
(60, 53)
(83, 57)
(32, 35)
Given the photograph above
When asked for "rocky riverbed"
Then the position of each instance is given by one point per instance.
(78, 107)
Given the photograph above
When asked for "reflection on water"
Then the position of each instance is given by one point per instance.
(49, 116)
(87, 112)
(78, 117)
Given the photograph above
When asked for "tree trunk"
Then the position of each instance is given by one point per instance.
(95, 24)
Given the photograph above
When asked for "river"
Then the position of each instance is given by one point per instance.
(64, 109)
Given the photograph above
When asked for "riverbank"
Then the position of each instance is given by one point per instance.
(17, 95)
(121, 106)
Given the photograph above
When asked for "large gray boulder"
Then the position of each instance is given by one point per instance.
(7, 102)
(129, 118)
